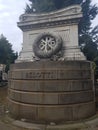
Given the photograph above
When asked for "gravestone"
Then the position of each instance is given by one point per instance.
(51, 80)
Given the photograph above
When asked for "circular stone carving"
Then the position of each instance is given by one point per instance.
(47, 45)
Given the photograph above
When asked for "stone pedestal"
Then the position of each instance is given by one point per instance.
(51, 91)
(62, 23)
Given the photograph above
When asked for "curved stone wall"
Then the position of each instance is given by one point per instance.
(51, 91)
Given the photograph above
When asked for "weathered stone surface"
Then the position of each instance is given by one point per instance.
(51, 98)
(22, 111)
(51, 113)
(51, 70)
(50, 74)
(68, 65)
(57, 97)
(76, 97)
(51, 86)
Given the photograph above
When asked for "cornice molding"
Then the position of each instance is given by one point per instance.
(67, 15)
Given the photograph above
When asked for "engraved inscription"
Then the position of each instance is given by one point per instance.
(51, 74)
(41, 75)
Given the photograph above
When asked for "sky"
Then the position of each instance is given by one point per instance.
(10, 10)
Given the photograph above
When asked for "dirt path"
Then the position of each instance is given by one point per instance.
(6, 127)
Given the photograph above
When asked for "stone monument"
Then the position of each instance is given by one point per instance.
(51, 80)
(59, 27)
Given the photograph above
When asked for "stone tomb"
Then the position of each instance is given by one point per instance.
(51, 80)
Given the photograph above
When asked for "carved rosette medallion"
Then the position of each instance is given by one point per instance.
(47, 45)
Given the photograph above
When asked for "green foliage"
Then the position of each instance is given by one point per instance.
(7, 56)
(40, 6)
(90, 51)
(89, 14)
(48, 5)
(88, 36)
